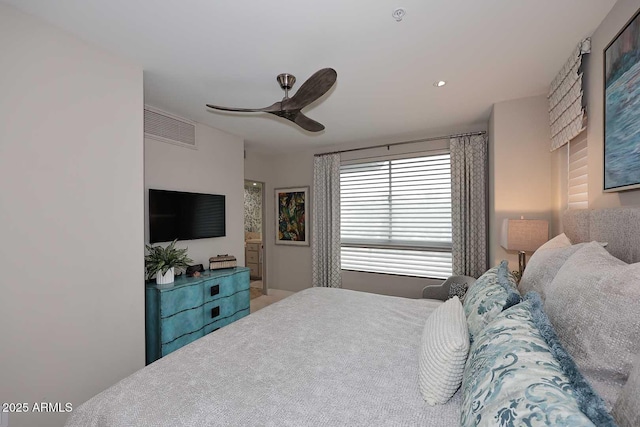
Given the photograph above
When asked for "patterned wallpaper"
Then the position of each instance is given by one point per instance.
(253, 208)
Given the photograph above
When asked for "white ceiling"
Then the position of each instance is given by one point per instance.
(228, 52)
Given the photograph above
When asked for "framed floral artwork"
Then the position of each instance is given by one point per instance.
(292, 214)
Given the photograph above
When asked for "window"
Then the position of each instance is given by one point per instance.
(395, 216)
(577, 181)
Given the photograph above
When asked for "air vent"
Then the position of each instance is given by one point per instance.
(166, 127)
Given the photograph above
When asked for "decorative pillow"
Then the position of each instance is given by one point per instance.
(543, 266)
(591, 404)
(593, 305)
(488, 296)
(627, 408)
(443, 352)
(560, 241)
(458, 290)
(512, 378)
(545, 263)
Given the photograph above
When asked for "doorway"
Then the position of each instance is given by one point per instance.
(254, 236)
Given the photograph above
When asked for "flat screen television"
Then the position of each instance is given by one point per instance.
(185, 216)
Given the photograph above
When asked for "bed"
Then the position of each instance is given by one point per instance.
(321, 357)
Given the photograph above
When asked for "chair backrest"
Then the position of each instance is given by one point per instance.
(441, 291)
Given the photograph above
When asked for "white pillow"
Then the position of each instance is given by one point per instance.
(626, 410)
(443, 352)
(543, 267)
(560, 241)
(593, 306)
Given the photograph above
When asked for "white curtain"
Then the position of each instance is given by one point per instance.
(326, 221)
(566, 112)
(469, 177)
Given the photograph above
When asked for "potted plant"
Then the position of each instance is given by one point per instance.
(163, 261)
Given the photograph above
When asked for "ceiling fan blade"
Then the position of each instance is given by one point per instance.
(308, 124)
(315, 86)
(269, 109)
(300, 119)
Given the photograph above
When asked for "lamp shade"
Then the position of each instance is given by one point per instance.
(524, 234)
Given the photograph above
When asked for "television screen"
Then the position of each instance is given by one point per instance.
(185, 216)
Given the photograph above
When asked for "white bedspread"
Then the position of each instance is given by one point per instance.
(321, 357)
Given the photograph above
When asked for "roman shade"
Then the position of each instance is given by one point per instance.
(566, 113)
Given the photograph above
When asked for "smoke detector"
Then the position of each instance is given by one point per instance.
(398, 13)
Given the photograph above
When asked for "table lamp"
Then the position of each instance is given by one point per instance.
(523, 235)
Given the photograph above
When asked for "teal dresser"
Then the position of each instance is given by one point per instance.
(193, 307)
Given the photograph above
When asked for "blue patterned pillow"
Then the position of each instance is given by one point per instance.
(493, 292)
(513, 378)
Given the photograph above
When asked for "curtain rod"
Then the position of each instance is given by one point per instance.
(402, 143)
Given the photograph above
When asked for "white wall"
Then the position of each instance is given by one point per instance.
(559, 186)
(520, 168)
(289, 267)
(216, 167)
(71, 217)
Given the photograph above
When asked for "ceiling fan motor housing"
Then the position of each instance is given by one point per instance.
(286, 81)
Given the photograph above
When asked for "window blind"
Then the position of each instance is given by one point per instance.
(578, 197)
(395, 216)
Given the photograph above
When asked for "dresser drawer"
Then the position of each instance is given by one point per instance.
(218, 287)
(181, 323)
(252, 257)
(182, 341)
(226, 307)
(224, 322)
(255, 247)
(224, 286)
(180, 299)
(254, 270)
(241, 280)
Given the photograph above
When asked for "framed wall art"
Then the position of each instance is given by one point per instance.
(622, 109)
(292, 214)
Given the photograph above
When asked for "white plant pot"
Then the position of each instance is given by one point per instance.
(166, 278)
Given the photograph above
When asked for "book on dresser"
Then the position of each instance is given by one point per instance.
(192, 308)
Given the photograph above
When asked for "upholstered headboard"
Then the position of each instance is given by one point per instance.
(619, 227)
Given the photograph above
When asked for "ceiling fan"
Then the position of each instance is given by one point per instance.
(289, 108)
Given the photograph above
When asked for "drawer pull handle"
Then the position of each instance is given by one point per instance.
(215, 290)
(215, 312)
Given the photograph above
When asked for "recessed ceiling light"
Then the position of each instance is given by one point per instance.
(440, 83)
(255, 183)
